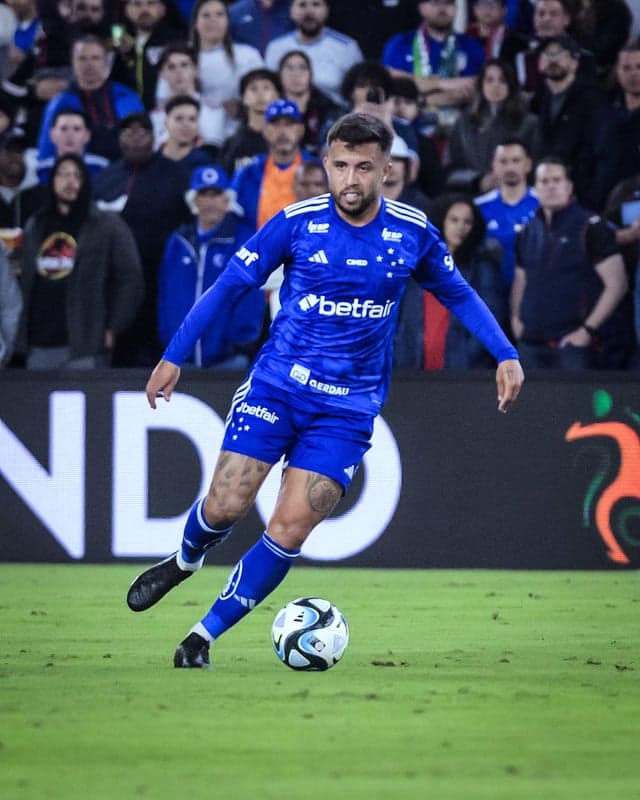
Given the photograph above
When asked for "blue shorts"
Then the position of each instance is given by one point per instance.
(263, 423)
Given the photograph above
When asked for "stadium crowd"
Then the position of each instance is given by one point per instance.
(142, 141)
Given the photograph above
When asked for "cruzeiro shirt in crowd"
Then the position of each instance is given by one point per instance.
(332, 340)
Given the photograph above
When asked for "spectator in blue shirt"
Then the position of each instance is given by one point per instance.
(194, 257)
(70, 133)
(441, 61)
(265, 186)
(257, 22)
(511, 205)
(104, 101)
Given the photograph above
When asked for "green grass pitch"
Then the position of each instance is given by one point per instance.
(455, 686)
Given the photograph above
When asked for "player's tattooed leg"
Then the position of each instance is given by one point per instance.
(322, 493)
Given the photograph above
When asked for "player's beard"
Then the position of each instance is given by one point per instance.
(355, 211)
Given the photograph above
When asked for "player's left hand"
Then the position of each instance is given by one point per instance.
(162, 381)
(509, 380)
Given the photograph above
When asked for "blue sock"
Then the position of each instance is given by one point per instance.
(255, 576)
(198, 537)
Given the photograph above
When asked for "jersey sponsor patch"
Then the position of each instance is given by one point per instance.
(318, 227)
(303, 375)
(391, 236)
(260, 412)
(300, 374)
(356, 308)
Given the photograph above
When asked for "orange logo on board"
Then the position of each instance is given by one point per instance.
(611, 498)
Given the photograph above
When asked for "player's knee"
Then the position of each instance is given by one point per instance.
(290, 531)
(223, 511)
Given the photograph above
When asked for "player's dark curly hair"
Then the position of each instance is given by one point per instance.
(357, 128)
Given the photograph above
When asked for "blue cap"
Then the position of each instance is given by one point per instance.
(209, 177)
(282, 108)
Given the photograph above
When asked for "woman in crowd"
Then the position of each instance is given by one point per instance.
(478, 259)
(497, 111)
(221, 62)
(318, 110)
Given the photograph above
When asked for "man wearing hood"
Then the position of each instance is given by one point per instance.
(81, 276)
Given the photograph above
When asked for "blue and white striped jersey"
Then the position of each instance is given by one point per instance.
(331, 342)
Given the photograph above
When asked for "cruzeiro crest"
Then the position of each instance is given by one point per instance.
(611, 502)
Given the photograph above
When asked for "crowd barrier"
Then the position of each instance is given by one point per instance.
(89, 473)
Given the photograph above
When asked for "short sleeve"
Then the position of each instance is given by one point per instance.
(600, 240)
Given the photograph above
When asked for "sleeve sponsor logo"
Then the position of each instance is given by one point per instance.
(247, 256)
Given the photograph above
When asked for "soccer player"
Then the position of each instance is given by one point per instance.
(319, 381)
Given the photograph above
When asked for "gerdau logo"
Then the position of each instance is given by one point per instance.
(356, 308)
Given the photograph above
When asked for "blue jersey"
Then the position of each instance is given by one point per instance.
(504, 221)
(399, 53)
(331, 342)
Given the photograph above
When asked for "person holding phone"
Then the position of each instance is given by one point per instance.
(368, 89)
(140, 42)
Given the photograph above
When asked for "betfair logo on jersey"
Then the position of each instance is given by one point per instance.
(318, 227)
(247, 256)
(260, 412)
(356, 308)
(391, 236)
(319, 258)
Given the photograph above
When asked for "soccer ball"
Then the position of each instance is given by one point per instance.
(310, 634)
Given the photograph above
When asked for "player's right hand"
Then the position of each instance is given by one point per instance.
(509, 379)
(162, 381)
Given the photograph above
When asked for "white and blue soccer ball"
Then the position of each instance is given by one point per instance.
(310, 634)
